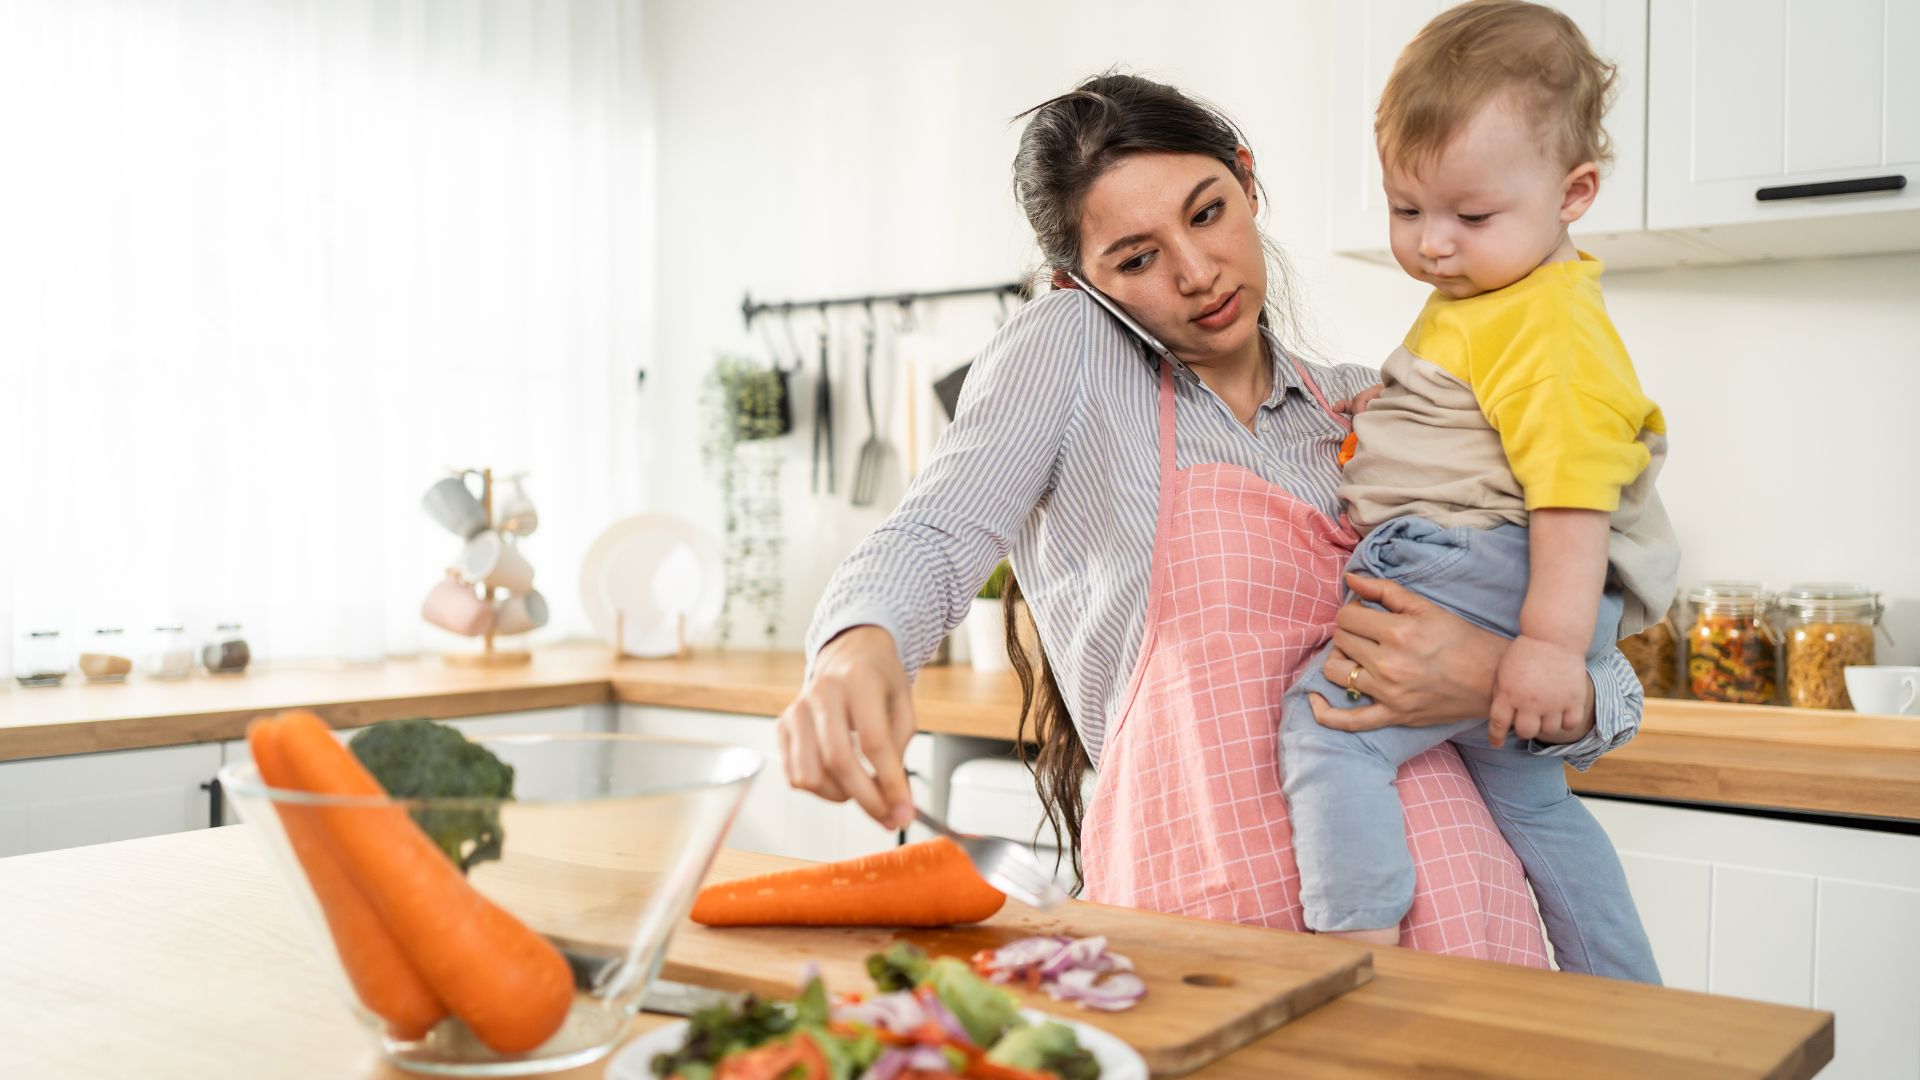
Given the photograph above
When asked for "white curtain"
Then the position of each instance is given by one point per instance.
(267, 266)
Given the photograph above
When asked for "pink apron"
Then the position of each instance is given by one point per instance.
(1187, 815)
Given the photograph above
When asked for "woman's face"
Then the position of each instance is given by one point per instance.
(1171, 238)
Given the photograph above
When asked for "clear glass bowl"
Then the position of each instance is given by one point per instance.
(605, 845)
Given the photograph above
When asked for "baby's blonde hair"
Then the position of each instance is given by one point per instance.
(1469, 55)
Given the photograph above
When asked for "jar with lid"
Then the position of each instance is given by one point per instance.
(106, 659)
(1827, 627)
(226, 653)
(1731, 649)
(40, 658)
(169, 654)
(1655, 656)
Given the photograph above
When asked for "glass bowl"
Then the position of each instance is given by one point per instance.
(602, 850)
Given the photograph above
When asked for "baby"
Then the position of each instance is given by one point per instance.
(1504, 471)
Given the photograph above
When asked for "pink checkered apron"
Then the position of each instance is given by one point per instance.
(1187, 815)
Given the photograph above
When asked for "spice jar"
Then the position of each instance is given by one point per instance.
(1827, 627)
(170, 655)
(1730, 648)
(105, 658)
(227, 652)
(1655, 656)
(40, 659)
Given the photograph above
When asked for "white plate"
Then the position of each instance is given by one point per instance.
(650, 568)
(1117, 1059)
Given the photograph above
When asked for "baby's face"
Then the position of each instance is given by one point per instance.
(1489, 209)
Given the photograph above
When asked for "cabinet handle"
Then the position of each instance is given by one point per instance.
(1832, 187)
(216, 802)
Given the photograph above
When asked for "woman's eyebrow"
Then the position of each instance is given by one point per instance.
(1128, 241)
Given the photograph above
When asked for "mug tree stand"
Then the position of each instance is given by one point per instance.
(489, 656)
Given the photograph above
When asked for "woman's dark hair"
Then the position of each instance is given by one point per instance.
(1068, 143)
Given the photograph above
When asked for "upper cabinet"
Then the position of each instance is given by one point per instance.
(1742, 129)
(1773, 112)
(1368, 37)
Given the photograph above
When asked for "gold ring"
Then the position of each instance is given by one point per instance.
(1353, 678)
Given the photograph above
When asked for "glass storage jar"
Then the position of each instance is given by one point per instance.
(169, 654)
(1731, 650)
(40, 658)
(1826, 627)
(226, 653)
(1655, 656)
(106, 658)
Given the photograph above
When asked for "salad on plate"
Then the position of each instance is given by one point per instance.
(925, 1019)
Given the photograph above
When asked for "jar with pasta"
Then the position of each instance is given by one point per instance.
(1731, 650)
(1827, 628)
(1655, 656)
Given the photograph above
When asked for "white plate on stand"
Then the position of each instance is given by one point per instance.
(643, 573)
(1118, 1061)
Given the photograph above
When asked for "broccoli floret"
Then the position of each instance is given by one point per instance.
(418, 759)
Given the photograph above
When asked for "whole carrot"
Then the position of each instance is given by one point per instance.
(506, 982)
(926, 884)
(380, 973)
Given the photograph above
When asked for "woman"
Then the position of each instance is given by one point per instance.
(1176, 532)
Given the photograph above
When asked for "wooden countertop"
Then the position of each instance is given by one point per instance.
(180, 957)
(1788, 759)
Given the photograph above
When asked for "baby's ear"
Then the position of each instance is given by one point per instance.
(1578, 190)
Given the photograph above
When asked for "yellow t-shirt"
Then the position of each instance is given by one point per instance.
(1552, 377)
(1518, 400)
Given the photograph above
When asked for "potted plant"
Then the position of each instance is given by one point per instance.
(987, 623)
(747, 409)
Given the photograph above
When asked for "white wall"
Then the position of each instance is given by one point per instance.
(827, 148)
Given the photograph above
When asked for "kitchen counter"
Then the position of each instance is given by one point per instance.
(180, 956)
(1800, 760)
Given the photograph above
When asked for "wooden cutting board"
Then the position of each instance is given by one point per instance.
(1211, 987)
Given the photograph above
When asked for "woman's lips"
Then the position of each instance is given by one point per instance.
(1222, 314)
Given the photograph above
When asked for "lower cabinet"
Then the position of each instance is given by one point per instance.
(48, 803)
(776, 819)
(1816, 915)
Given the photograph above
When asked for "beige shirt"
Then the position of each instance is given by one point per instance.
(1426, 448)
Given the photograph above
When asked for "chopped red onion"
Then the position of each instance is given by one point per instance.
(1069, 970)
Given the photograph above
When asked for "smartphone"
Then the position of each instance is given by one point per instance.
(1125, 320)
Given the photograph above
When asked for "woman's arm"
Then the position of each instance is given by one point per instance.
(888, 605)
(1424, 666)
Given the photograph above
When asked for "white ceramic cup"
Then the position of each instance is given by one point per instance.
(453, 606)
(489, 557)
(520, 613)
(450, 503)
(513, 511)
(1894, 691)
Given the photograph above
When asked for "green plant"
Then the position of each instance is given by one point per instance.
(996, 584)
(744, 404)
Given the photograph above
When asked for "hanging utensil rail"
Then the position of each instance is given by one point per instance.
(749, 308)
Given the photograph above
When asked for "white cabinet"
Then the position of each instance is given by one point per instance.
(1368, 37)
(1759, 99)
(1801, 914)
(776, 819)
(49, 803)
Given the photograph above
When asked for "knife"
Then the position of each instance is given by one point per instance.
(670, 998)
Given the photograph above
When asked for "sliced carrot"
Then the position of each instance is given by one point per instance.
(506, 982)
(381, 975)
(930, 883)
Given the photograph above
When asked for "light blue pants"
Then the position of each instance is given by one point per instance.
(1349, 830)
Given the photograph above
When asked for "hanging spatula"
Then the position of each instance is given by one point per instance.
(873, 452)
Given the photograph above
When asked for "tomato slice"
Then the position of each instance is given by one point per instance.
(798, 1058)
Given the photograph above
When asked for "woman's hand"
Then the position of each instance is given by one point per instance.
(857, 705)
(1420, 663)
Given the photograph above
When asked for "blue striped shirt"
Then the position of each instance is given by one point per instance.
(1053, 457)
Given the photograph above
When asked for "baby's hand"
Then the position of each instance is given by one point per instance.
(1358, 403)
(1540, 691)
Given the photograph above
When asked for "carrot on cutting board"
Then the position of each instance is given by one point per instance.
(380, 973)
(506, 982)
(930, 883)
